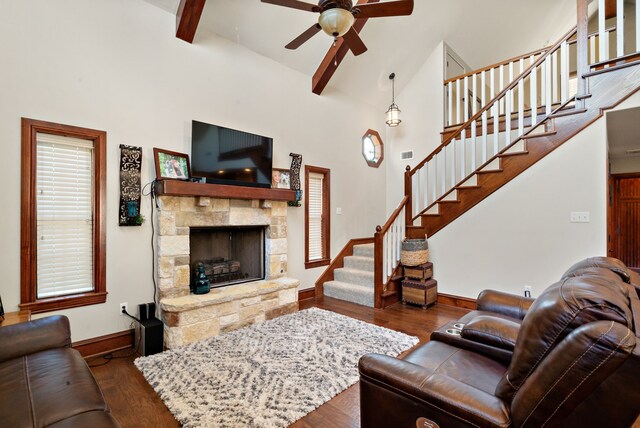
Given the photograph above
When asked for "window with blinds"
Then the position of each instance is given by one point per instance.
(64, 196)
(317, 216)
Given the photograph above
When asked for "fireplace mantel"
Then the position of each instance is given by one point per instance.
(187, 188)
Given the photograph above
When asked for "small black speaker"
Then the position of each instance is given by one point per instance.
(149, 336)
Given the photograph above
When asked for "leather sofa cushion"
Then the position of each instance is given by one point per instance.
(470, 316)
(610, 263)
(614, 280)
(560, 309)
(492, 331)
(464, 366)
(45, 388)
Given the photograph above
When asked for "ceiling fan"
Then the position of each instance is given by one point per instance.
(338, 16)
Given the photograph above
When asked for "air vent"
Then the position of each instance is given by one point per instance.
(406, 155)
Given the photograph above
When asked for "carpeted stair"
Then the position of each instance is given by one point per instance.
(354, 282)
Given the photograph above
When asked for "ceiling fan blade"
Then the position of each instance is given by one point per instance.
(295, 4)
(378, 10)
(302, 38)
(355, 43)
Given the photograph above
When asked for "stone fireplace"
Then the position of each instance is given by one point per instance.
(217, 225)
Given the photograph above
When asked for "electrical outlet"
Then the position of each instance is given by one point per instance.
(527, 291)
(123, 307)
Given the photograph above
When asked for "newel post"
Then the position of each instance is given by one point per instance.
(377, 267)
(582, 50)
(408, 191)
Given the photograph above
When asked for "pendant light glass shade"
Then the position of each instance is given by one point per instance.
(336, 22)
(393, 114)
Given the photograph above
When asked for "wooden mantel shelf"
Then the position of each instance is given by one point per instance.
(187, 188)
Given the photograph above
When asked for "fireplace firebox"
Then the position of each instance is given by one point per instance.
(230, 255)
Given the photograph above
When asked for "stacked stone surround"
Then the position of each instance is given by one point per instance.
(189, 317)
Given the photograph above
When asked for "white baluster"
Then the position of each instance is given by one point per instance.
(434, 183)
(592, 49)
(474, 89)
(496, 127)
(602, 35)
(554, 88)
(533, 92)
(450, 103)
(501, 88)
(483, 82)
(415, 193)
(547, 85)
(458, 101)
(507, 119)
(466, 99)
(474, 125)
(521, 107)
(564, 72)
(463, 155)
(511, 77)
(424, 171)
(444, 170)
(453, 160)
(620, 28)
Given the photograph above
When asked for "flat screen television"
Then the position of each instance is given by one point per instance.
(227, 156)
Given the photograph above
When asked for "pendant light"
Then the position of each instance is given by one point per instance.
(393, 114)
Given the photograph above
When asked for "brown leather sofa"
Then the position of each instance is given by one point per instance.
(46, 383)
(575, 363)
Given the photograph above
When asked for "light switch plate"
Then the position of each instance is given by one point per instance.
(339, 211)
(579, 217)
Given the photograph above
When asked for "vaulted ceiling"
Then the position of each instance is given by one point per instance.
(481, 32)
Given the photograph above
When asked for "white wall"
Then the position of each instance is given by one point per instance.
(116, 66)
(422, 105)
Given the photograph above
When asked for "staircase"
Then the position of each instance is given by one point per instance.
(354, 281)
(510, 125)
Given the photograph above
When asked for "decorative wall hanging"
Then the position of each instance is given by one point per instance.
(130, 166)
(171, 165)
(296, 163)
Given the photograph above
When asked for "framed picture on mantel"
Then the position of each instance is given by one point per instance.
(171, 165)
(280, 179)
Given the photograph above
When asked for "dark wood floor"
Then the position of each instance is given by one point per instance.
(135, 404)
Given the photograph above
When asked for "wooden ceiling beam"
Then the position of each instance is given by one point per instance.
(334, 57)
(187, 19)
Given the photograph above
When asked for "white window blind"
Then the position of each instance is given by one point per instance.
(316, 231)
(64, 215)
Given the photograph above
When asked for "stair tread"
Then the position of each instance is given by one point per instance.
(448, 201)
(359, 257)
(568, 112)
(354, 271)
(346, 291)
(475, 186)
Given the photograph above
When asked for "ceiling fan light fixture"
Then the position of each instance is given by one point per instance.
(336, 21)
(393, 113)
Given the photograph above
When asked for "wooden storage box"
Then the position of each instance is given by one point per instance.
(423, 293)
(421, 272)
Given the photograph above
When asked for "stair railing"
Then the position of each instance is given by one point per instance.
(484, 135)
(481, 85)
(386, 250)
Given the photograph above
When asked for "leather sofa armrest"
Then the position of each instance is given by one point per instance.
(492, 331)
(34, 336)
(442, 396)
(511, 305)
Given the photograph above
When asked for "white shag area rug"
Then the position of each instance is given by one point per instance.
(269, 374)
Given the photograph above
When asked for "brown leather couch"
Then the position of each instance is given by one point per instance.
(46, 383)
(575, 363)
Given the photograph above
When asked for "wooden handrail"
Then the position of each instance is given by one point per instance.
(519, 57)
(393, 217)
(496, 65)
(497, 98)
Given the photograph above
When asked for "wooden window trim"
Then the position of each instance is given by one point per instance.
(28, 248)
(326, 217)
